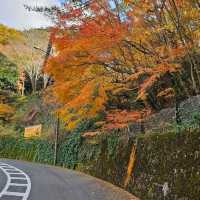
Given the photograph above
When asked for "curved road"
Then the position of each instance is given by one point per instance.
(27, 181)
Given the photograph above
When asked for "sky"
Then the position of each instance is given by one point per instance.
(13, 13)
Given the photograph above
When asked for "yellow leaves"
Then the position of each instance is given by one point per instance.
(66, 91)
(6, 111)
(99, 102)
(167, 93)
(72, 124)
(141, 34)
(196, 35)
(190, 13)
(127, 2)
(84, 97)
(166, 27)
(88, 103)
(7, 34)
(4, 108)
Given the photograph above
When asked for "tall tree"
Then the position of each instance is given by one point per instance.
(29, 59)
(8, 73)
(139, 48)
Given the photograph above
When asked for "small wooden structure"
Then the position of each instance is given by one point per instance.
(33, 131)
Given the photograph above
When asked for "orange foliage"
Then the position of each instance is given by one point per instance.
(97, 52)
(82, 79)
(152, 76)
(90, 134)
(6, 111)
(121, 119)
(167, 93)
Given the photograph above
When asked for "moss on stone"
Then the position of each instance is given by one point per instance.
(161, 158)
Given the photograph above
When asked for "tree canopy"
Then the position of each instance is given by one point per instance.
(141, 50)
(7, 34)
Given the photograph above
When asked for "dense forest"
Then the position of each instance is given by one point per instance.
(120, 62)
(21, 76)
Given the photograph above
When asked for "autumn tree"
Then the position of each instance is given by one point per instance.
(30, 58)
(38, 42)
(7, 34)
(85, 78)
(171, 31)
(103, 50)
(8, 73)
(8, 78)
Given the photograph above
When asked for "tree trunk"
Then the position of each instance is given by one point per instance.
(45, 81)
(57, 127)
(33, 84)
(192, 76)
(23, 88)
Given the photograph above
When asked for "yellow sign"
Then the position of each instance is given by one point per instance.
(33, 131)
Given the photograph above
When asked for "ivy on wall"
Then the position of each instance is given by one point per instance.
(161, 159)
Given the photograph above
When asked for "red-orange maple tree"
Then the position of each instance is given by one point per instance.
(101, 51)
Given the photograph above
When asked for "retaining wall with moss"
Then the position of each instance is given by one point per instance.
(167, 166)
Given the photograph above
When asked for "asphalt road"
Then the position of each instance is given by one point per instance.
(27, 181)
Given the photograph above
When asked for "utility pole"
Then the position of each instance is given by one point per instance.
(57, 127)
(48, 53)
(177, 114)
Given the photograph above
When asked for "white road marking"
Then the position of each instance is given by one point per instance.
(7, 170)
(21, 178)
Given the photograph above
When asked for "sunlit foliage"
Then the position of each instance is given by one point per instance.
(7, 34)
(137, 47)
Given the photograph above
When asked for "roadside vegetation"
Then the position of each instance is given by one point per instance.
(119, 84)
(116, 66)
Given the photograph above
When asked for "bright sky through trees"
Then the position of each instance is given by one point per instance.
(13, 13)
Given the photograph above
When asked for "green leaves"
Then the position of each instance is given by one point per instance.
(8, 74)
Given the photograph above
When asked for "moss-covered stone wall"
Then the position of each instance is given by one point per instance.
(167, 166)
(172, 160)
